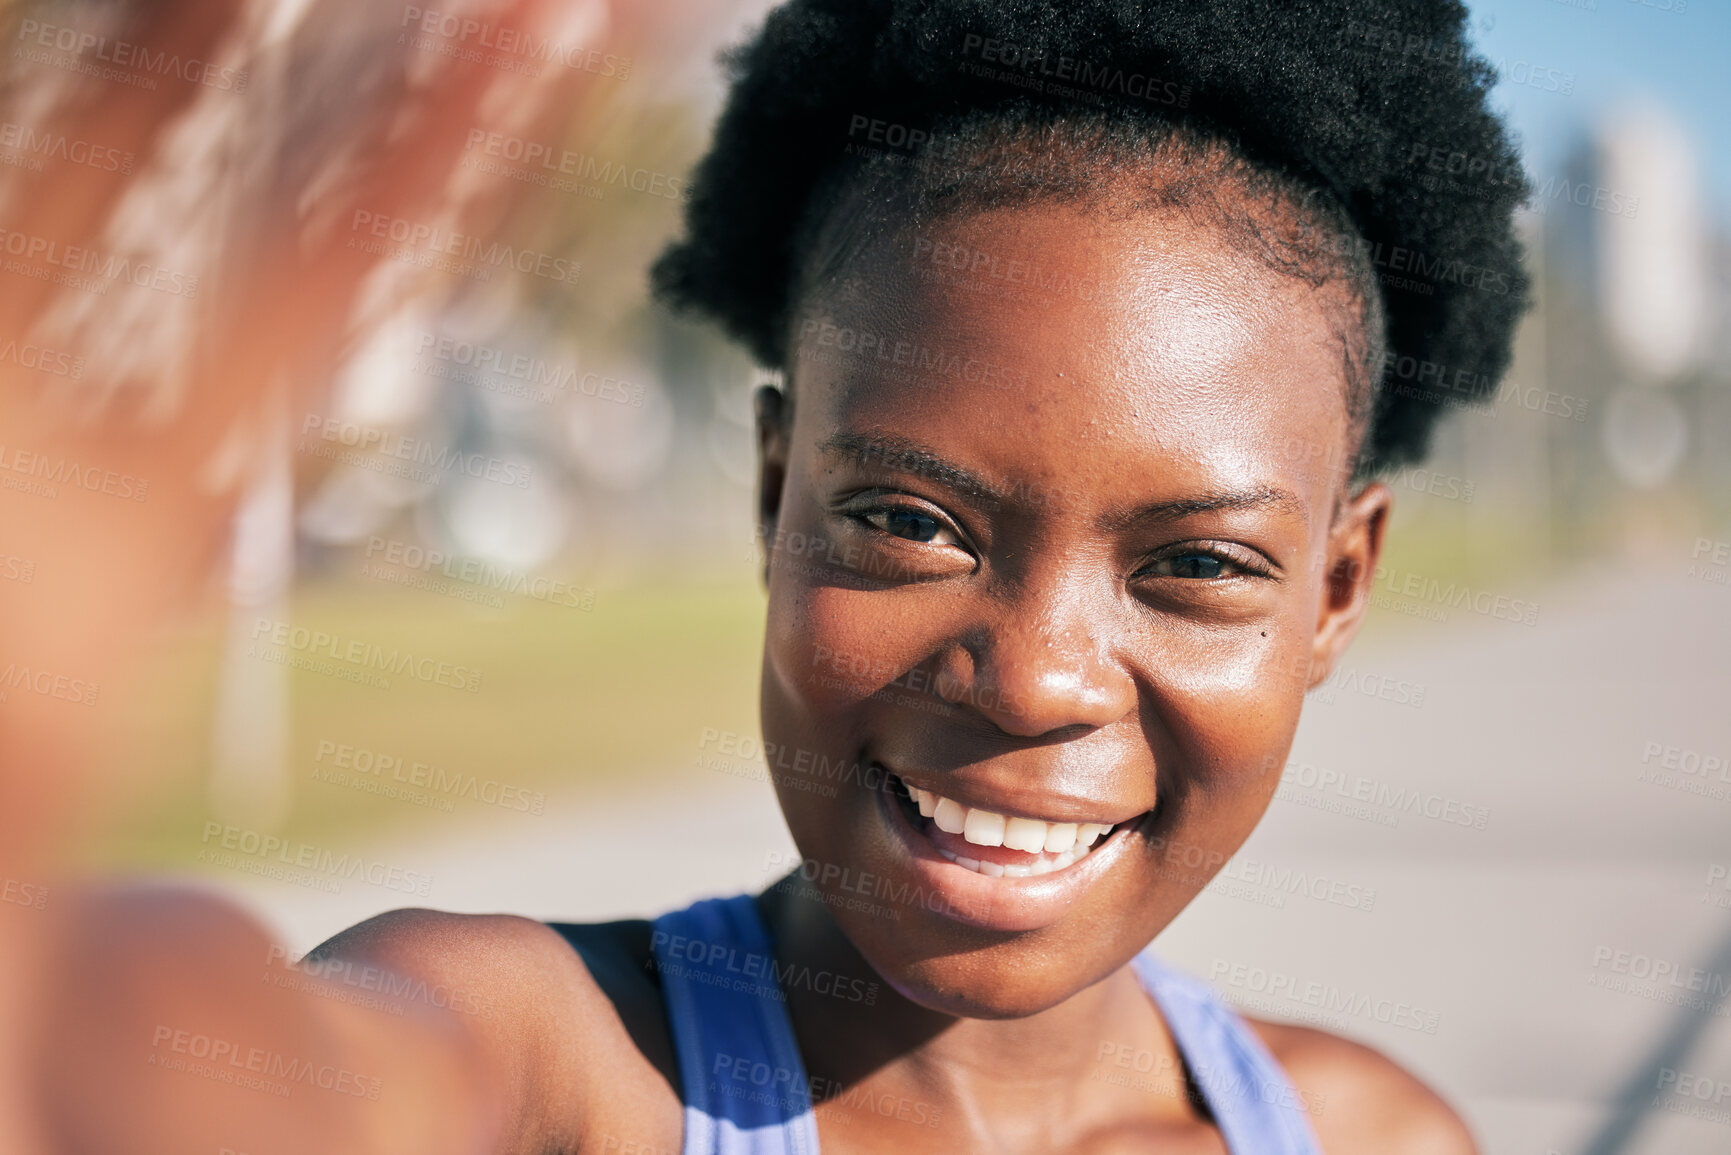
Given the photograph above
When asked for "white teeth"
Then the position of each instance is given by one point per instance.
(1025, 834)
(1060, 836)
(984, 828)
(989, 828)
(1068, 840)
(1043, 866)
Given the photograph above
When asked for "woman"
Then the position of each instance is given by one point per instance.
(1083, 312)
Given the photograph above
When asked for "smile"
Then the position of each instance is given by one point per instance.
(993, 844)
(984, 863)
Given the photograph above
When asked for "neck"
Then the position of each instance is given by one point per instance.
(1055, 1062)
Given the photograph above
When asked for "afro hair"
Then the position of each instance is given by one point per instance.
(1378, 108)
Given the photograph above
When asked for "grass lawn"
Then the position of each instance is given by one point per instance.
(568, 698)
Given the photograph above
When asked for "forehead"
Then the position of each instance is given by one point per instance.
(1073, 341)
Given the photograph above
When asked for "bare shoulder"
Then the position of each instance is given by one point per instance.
(1362, 1102)
(575, 1035)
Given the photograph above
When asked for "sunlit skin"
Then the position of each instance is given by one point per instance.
(1122, 605)
(1126, 639)
(1091, 584)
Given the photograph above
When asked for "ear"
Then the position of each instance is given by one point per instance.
(1354, 547)
(773, 418)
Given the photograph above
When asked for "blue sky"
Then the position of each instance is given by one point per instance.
(1615, 50)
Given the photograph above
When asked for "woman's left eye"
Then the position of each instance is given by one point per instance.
(911, 525)
(1198, 564)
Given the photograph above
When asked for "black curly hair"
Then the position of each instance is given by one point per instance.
(1366, 121)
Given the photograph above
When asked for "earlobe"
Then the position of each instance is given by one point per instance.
(1354, 549)
(772, 448)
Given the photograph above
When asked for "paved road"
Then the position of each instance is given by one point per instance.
(1501, 935)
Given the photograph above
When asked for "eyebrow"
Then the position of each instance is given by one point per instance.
(1220, 501)
(890, 451)
(903, 456)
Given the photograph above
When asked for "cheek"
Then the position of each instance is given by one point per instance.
(830, 648)
(1229, 704)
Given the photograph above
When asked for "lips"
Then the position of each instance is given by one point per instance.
(999, 886)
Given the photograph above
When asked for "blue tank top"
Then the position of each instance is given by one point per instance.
(745, 1087)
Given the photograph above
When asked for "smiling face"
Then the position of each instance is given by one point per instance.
(1066, 552)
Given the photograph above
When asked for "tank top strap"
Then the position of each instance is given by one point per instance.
(1254, 1104)
(745, 1087)
(744, 1084)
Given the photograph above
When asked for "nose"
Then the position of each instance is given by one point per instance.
(1042, 663)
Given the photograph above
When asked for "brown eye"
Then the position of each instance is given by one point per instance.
(1192, 565)
(1199, 564)
(910, 525)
